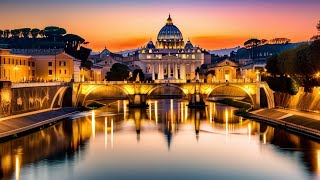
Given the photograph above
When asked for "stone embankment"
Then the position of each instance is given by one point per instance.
(15, 126)
(305, 123)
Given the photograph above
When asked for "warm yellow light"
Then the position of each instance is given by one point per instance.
(16, 68)
(93, 124)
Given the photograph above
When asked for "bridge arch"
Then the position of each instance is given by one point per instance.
(237, 86)
(166, 85)
(59, 98)
(82, 101)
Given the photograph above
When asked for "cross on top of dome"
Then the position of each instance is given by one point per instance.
(169, 20)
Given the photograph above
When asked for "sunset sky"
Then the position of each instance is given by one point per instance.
(127, 24)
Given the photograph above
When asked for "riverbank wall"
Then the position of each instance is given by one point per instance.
(301, 101)
(303, 123)
(21, 98)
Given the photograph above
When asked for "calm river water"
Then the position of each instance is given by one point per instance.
(166, 141)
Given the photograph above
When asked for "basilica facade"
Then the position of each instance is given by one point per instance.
(170, 58)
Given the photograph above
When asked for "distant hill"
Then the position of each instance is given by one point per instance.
(265, 51)
(222, 52)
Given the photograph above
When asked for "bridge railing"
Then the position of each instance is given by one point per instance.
(248, 81)
(38, 84)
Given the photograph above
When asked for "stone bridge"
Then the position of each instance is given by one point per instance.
(197, 93)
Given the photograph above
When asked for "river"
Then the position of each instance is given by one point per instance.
(165, 141)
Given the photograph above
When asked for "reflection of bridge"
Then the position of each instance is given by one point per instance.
(138, 93)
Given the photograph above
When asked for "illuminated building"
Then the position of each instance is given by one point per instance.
(16, 67)
(170, 59)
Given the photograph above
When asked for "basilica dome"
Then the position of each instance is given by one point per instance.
(170, 37)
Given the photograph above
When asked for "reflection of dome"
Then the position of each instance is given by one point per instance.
(188, 45)
(170, 36)
(150, 45)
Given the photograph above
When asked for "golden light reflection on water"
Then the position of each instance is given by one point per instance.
(93, 124)
(218, 122)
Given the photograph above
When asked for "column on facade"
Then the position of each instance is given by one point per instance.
(175, 72)
(160, 76)
(169, 70)
(192, 71)
(182, 71)
(152, 71)
(159, 70)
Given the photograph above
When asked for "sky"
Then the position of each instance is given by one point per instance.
(129, 24)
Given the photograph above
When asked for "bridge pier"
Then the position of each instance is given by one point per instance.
(196, 100)
(138, 101)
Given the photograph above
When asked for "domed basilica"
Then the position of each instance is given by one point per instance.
(171, 59)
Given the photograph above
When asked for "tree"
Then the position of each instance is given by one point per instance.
(251, 44)
(15, 33)
(53, 32)
(318, 26)
(280, 41)
(42, 34)
(35, 32)
(135, 74)
(72, 43)
(25, 32)
(118, 72)
(6, 33)
(315, 37)
(83, 55)
(1, 33)
(272, 65)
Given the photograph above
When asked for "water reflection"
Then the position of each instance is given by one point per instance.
(71, 142)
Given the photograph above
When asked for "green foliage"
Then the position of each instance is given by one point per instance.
(25, 32)
(283, 84)
(273, 65)
(86, 64)
(35, 32)
(72, 43)
(135, 73)
(118, 72)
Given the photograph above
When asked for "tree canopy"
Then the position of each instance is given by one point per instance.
(302, 64)
(118, 72)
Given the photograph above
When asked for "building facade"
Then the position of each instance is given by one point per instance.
(15, 67)
(27, 65)
(170, 59)
(223, 71)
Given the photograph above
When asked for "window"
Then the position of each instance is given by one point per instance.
(33, 64)
(60, 71)
(16, 61)
(50, 72)
(20, 62)
(62, 63)
(50, 64)
(65, 71)
(24, 62)
(33, 73)
(29, 63)
(4, 60)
